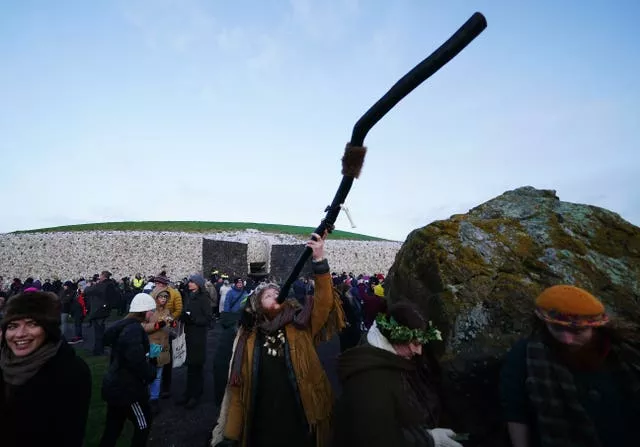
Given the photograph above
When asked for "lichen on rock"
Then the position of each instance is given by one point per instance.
(476, 275)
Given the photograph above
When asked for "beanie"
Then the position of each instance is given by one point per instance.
(570, 306)
(43, 307)
(142, 302)
(197, 279)
(161, 279)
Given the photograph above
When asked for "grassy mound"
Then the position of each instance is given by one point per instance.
(200, 227)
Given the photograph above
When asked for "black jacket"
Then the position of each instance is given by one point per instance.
(66, 298)
(196, 315)
(49, 409)
(130, 372)
(100, 297)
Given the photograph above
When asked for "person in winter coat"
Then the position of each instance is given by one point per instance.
(278, 392)
(158, 329)
(213, 297)
(224, 289)
(67, 294)
(196, 316)
(174, 306)
(100, 297)
(236, 297)
(78, 311)
(390, 386)
(233, 301)
(351, 335)
(372, 304)
(45, 388)
(575, 381)
(125, 387)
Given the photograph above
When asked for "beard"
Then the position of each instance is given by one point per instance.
(272, 312)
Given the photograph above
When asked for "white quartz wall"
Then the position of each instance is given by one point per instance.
(74, 254)
(366, 257)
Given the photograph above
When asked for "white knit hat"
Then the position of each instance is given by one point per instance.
(142, 302)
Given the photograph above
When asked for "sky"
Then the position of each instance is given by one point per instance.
(130, 110)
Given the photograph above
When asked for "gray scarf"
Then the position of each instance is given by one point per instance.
(17, 371)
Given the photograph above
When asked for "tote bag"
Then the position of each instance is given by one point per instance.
(179, 348)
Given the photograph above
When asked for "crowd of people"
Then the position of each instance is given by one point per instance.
(575, 381)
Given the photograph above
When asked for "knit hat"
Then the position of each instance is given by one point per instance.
(43, 307)
(161, 279)
(570, 306)
(142, 302)
(197, 279)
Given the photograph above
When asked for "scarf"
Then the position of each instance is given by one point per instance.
(17, 371)
(562, 420)
(291, 313)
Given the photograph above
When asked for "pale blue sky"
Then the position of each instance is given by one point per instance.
(239, 110)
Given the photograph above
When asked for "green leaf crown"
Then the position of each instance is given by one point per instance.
(402, 334)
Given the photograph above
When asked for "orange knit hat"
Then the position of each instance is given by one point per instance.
(570, 306)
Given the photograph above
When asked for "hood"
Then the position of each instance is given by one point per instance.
(112, 334)
(366, 357)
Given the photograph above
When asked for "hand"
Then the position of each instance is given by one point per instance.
(442, 437)
(154, 318)
(159, 325)
(317, 246)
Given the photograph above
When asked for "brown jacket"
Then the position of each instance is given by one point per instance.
(160, 336)
(315, 390)
(174, 303)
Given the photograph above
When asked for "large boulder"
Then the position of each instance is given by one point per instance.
(476, 276)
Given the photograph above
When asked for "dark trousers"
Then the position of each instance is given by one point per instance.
(77, 323)
(98, 333)
(167, 370)
(195, 381)
(221, 360)
(139, 415)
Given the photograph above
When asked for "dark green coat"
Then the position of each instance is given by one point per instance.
(374, 409)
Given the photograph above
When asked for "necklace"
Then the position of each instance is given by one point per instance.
(275, 343)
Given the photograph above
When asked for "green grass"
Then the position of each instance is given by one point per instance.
(98, 408)
(200, 227)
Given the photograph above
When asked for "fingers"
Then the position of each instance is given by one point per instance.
(317, 238)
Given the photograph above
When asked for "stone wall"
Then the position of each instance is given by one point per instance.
(283, 258)
(74, 254)
(226, 256)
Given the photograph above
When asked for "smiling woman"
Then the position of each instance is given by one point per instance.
(42, 382)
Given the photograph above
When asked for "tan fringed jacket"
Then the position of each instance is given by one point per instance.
(315, 390)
